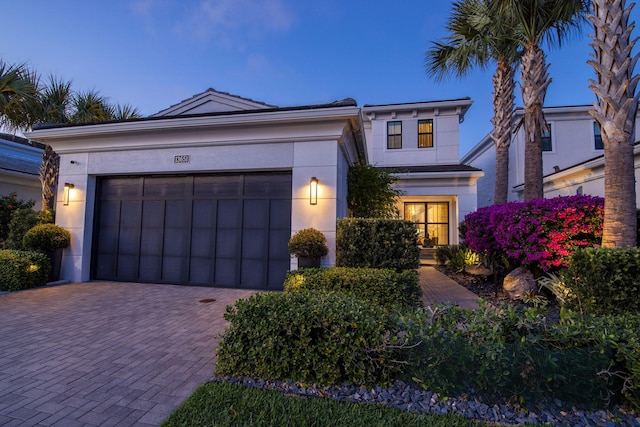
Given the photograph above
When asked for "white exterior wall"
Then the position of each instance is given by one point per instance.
(446, 140)
(306, 151)
(573, 155)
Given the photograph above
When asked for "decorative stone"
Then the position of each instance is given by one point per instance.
(478, 270)
(518, 283)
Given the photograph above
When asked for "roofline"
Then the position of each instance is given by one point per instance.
(197, 95)
(461, 105)
(336, 109)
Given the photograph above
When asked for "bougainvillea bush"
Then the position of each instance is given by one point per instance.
(540, 232)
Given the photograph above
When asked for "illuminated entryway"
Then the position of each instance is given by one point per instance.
(432, 221)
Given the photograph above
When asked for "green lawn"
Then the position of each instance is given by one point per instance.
(222, 404)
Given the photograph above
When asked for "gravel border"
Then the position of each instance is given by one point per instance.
(405, 396)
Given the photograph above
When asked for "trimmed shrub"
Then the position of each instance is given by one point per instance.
(320, 338)
(308, 243)
(605, 280)
(514, 353)
(377, 243)
(380, 286)
(456, 257)
(46, 238)
(540, 232)
(22, 270)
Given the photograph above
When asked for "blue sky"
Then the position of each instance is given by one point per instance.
(154, 53)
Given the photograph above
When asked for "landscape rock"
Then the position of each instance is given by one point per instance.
(478, 270)
(518, 283)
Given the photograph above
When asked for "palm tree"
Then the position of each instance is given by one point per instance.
(537, 21)
(17, 88)
(615, 112)
(477, 38)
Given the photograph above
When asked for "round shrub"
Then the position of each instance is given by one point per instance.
(23, 270)
(321, 338)
(46, 238)
(308, 242)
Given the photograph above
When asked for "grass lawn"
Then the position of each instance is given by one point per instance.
(222, 404)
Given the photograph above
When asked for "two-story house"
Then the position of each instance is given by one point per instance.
(208, 191)
(572, 157)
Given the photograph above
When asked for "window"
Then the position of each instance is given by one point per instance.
(546, 138)
(425, 133)
(394, 134)
(597, 136)
(432, 221)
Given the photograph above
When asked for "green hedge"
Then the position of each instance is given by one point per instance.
(23, 270)
(380, 286)
(309, 337)
(512, 353)
(377, 243)
(605, 280)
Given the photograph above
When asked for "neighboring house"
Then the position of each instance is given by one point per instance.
(572, 158)
(209, 191)
(20, 161)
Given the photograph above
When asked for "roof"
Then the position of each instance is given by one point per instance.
(20, 140)
(430, 168)
(347, 102)
(211, 101)
(407, 104)
(16, 164)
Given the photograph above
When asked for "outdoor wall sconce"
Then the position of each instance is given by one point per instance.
(65, 195)
(313, 191)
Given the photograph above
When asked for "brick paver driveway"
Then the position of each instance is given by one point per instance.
(106, 353)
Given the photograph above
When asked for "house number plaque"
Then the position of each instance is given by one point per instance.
(183, 158)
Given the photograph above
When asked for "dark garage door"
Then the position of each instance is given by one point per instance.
(209, 230)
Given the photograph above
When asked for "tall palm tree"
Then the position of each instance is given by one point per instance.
(536, 21)
(615, 112)
(476, 38)
(17, 88)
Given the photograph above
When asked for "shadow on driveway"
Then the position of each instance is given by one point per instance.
(106, 353)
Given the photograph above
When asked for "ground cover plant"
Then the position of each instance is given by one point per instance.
(221, 404)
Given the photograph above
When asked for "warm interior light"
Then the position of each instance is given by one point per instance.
(65, 195)
(313, 191)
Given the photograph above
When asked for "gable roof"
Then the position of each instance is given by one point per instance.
(212, 101)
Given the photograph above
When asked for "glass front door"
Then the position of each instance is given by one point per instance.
(432, 221)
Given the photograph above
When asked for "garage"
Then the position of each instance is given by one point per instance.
(222, 230)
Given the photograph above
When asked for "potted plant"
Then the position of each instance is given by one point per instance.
(49, 239)
(309, 245)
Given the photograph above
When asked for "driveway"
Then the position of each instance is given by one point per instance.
(106, 353)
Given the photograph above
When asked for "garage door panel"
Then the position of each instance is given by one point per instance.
(226, 230)
(172, 269)
(127, 269)
(229, 214)
(150, 268)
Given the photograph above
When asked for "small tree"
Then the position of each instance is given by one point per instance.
(371, 193)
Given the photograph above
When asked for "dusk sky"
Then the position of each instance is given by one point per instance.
(154, 53)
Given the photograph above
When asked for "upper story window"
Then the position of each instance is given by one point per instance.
(425, 133)
(394, 134)
(546, 138)
(597, 137)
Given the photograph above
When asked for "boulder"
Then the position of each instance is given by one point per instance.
(518, 283)
(478, 270)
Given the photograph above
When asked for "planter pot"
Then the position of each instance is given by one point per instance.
(308, 262)
(56, 262)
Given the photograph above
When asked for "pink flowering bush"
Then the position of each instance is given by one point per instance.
(540, 232)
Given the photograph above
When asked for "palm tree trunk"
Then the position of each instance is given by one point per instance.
(535, 81)
(616, 113)
(503, 106)
(49, 177)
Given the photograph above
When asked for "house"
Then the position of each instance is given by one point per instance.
(572, 157)
(20, 161)
(209, 191)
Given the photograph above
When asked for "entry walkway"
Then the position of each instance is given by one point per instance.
(438, 288)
